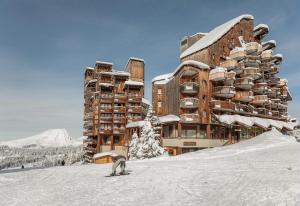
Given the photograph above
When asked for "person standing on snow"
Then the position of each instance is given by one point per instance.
(118, 160)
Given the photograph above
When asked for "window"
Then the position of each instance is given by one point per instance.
(117, 139)
(106, 140)
(189, 132)
(159, 91)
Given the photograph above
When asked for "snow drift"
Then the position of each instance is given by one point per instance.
(259, 171)
(49, 138)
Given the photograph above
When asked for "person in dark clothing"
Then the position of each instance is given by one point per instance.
(118, 160)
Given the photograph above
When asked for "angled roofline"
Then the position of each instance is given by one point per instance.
(214, 35)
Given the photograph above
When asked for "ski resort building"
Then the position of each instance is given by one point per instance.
(225, 88)
(111, 100)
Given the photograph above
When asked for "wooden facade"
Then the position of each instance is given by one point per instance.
(111, 100)
(240, 80)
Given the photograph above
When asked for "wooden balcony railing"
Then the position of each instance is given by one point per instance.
(107, 130)
(252, 72)
(119, 130)
(224, 91)
(189, 103)
(260, 88)
(260, 100)
(229, 64)
(189, 118)
(106, 109)
(119, 120)
(134, 109)
(189, 87)
(88, 116)
(120, 109)
(244, 96)
(219, 104)
(244, 83)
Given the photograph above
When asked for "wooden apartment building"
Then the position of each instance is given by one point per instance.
(112, 99)
(225, 89)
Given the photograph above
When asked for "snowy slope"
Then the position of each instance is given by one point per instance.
(49, 138)
(260, 171)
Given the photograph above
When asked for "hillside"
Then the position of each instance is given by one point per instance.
(260, 171)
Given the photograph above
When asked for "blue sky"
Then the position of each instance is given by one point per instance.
(45, 46)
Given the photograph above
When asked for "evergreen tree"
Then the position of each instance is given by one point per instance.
(134, 146)
(148, 145)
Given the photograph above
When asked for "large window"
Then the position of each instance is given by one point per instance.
(189, 132)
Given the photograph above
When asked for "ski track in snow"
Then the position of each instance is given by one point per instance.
(262, 171)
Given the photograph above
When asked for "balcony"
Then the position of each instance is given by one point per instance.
(120, 98)
(106, 131)
(224, 91)
(244, 96)
(217, 74)
(253, 48)
(87, 124)
(244, 83)
(266, 55)
(134, 97)
(121, 120)
(274, 93)
(106, 109)
(251, 72)
(106, 97)
(269, 45)
(275, 113)
(106, 119)
(260, 100)
(119, 109)
(260, 31)
(189, 87)
(88, 132)
(90, 141)
(134, 118)
(274, 81)
(134, 109)
(237, 54)
(263, 111)
(189, 103)
(260, 88)
(229, 64)
(119, 130)
(88, 116)
(189, 118)
(218, 104)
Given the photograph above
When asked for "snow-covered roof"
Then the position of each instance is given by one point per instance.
(162, 77)
(278, 56)
(165, 78)
(269, 42)
(250, 121)
(121, 73)
(137, 59)
(169, 118)
(259, 26)
(135, 124)
(105, 84)
(106, 63)
(89, 68)
(201, 33)
(104, 154)
(146, 101)
(214, 35)
(136, 83)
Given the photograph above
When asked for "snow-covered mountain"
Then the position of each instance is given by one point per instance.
(48, 138)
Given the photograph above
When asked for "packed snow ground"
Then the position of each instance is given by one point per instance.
(260, 171)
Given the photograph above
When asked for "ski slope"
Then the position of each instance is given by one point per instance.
(48, 138)
(260, 171)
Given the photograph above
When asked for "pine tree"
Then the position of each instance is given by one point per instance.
(149, 142)
(134, 146)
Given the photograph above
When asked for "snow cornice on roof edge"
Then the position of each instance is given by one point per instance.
(168, 76)
(214, 35)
